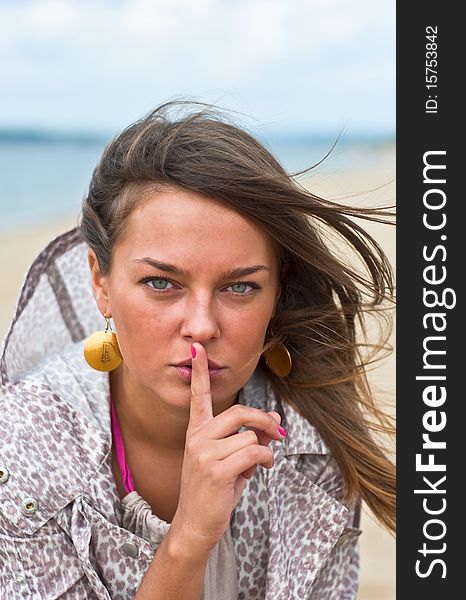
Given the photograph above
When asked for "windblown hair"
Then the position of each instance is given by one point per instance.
(325, 301)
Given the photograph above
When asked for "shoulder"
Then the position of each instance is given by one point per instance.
(61, 382)
(51, 449)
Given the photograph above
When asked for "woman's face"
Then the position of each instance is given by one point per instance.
(172, 283)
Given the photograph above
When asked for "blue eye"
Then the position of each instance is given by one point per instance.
(160, 285)
(240, 285)
(155, 281)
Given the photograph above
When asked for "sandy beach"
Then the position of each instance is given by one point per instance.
(374, 186)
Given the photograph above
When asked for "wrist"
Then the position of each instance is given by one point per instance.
(182, 546)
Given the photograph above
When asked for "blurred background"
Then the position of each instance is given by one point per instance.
(300, 74)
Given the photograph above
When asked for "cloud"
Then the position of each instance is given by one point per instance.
(119, 49)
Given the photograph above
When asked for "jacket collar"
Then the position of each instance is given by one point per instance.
(302, 437)
(55, 307)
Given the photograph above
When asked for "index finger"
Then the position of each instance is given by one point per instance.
(200, 411)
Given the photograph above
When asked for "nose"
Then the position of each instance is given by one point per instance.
(200, 320)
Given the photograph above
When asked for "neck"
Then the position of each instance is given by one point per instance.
(147, 421)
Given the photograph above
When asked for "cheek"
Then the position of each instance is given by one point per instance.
(247, 332)
(141, 328)
(144, 332)
(254, 318)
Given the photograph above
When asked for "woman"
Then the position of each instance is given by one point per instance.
(218, 445)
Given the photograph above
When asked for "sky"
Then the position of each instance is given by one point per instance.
(299, 66)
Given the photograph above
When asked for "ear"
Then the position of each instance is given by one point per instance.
(99, 284)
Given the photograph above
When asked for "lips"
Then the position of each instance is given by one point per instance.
(187, 363)
(185, 371)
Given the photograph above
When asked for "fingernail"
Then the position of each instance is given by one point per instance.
(281, 431)
(193, 351)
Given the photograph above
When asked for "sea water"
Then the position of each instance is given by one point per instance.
(43, 179)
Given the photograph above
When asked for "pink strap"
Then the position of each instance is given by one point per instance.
(125, 471)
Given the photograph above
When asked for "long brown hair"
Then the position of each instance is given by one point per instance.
(324, 301)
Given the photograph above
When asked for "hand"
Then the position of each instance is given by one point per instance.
(218, 460)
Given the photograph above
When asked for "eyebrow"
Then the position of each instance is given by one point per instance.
(168, 268)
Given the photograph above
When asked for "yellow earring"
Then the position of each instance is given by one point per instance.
(101, 349)
(278, 360)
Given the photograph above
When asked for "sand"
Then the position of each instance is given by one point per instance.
(372, 186)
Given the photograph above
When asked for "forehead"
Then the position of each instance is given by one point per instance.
(188, 227)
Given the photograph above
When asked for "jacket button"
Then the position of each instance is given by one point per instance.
(20, 578)
(130, 549)
(4, 474)
(29, 506)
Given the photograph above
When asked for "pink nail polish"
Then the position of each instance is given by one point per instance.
(281, 431)
(193, 351)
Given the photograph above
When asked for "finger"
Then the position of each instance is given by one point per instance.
(201, 411)
(243, 460)
(263, 438)
(220, 449)
(237, 416)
